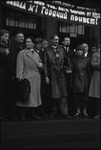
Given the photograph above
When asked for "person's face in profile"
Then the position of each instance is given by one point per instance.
(5, 37)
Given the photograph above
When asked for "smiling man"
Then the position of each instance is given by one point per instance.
(55, 77)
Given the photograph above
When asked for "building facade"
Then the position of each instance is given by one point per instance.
(42, 19)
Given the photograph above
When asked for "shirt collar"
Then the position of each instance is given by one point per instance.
(36, 50)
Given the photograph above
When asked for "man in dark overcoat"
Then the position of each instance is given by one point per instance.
(17, 44)
(69, 54)
(4, 54)
(55, 77)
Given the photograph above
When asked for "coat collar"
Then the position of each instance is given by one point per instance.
(32, 55)
(66, 48)
(3, 44)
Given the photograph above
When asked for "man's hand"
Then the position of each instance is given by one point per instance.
(7, 51)
(47, 80)
(68, 71)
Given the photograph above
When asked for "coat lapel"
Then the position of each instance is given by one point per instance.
(32, 56)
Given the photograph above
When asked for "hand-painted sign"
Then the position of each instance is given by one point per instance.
(57, 12)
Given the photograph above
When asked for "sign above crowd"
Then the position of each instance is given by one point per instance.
(46, 9)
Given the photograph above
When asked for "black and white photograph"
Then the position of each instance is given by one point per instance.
(50, 74)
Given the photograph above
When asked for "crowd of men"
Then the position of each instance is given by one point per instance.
(59, 77)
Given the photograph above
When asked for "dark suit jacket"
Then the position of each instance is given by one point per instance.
(54, 70)
(69, 55)
(3, 71)
(15, 48)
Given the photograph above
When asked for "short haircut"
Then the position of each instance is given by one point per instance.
(19, 33)
(66, 37)
(38, 40)
(3, 31)
(31, 37)
(52, 36)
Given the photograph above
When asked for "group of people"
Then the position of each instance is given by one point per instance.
(62, 81)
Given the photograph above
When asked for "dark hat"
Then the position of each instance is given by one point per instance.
(80, 47)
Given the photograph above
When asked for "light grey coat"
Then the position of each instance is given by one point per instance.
(94, 90)
(27, 67)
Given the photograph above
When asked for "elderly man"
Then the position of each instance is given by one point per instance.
(17, 44)
(55, 77)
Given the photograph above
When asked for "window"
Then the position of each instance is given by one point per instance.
(73, 35)
(10, 20)
(21, 20)
(31, 22)
(80, 30)
(67, 29)
(72, 29)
